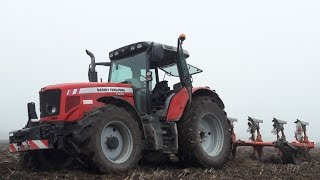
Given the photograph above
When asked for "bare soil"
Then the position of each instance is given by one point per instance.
(242, 167)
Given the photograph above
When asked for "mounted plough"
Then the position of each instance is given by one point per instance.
(293, 152)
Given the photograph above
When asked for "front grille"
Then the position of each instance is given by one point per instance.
(49, 99)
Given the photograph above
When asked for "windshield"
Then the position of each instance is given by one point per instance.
(130, 70)
(172, 70)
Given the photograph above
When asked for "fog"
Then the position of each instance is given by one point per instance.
(262, 57)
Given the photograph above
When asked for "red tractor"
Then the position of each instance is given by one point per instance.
(110, 126)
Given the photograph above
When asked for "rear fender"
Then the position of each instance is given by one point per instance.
(206, 91)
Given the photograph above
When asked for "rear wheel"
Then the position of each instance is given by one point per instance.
(110, 139)
(204, 134)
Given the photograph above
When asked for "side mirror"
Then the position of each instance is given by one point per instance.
(149, 76)
(157, 53)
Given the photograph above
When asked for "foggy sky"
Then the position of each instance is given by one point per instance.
(262, 57)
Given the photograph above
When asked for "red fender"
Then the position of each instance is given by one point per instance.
(177, 105)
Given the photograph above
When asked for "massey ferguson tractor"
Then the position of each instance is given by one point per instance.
(110, 126)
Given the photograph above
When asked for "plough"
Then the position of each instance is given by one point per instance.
(293, 152)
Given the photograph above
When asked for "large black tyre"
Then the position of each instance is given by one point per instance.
(204, 134)
(44, 160)
(109, 139)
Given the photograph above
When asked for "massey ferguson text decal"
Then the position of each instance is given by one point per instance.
(120, 90)
(111, 90)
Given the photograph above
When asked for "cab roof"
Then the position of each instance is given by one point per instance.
(136, 48)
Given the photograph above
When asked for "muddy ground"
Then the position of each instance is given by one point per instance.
(243, 167)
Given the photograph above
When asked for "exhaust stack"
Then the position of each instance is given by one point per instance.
(92, 74)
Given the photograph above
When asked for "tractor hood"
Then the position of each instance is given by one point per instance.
(70, 101)
(90, 87)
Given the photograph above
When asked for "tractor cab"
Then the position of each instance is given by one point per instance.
(139, 64)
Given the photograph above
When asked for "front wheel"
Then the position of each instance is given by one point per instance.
(110, 139)
(204, 134)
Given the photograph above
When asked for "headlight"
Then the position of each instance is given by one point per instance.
(51, 109)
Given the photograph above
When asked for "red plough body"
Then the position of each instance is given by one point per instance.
(288, 152)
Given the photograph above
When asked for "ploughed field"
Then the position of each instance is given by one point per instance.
(242, 167)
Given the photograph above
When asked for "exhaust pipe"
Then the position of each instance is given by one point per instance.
(92, 74)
